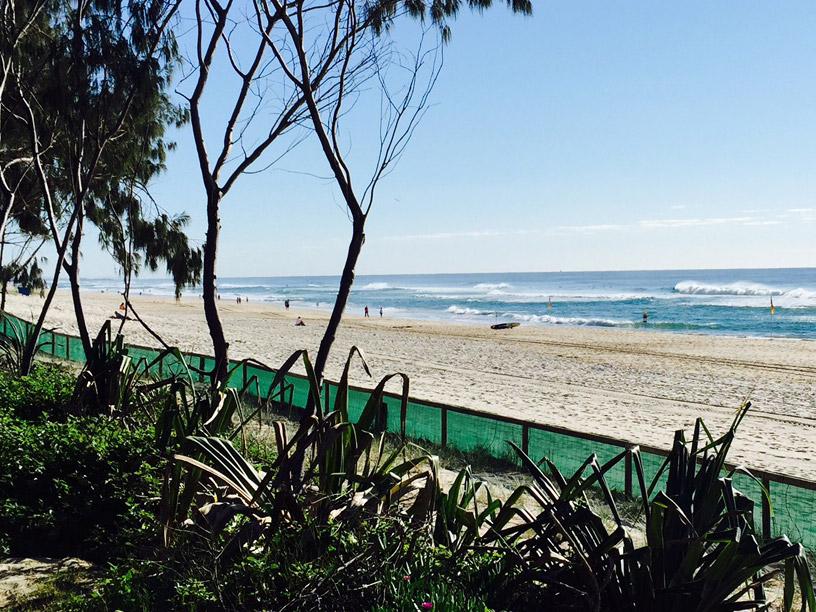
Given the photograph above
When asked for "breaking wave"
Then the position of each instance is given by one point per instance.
(740, 288)
(594, 322)
(465, 311)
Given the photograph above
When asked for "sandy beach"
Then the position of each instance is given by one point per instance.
(638, 386)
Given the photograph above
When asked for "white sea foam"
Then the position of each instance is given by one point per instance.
(375, 287)
(492, 286)
(737, 288)
(551, 320)
(459, 310)
(747, 295)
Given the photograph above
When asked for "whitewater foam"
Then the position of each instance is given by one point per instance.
(594, 322)
(736, 288)
(454, 309)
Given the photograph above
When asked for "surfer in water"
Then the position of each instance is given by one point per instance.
(773, 308)
(645, 317)
(549, 303)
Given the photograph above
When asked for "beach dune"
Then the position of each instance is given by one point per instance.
(637, 386)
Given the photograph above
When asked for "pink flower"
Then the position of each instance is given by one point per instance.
(427, 605)
(407, 578)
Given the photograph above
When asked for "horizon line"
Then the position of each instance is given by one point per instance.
(712, 269)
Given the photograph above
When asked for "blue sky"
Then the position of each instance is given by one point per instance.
(591, 136)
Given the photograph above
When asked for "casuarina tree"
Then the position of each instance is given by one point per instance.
(96, 111)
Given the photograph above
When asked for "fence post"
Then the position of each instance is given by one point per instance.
(201, 368)
(68, 347)
(326, 397)
(766, 511)
(525, 439)
(627, 476)
(444, 433)
(54, 343)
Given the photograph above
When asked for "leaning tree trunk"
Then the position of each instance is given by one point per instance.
(346, 282)
(73, 276)
(72, 269)
(220, 346)
(33, 339)
(4, 216)
(3, 281)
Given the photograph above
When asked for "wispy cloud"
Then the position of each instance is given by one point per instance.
(675, 223)
(806, 215)
(453, 235)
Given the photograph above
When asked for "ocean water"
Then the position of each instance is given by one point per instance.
(734, 302)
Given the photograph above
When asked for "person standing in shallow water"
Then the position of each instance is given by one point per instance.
(645, 316)
(365, 311)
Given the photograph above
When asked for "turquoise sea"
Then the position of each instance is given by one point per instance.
(696, 301)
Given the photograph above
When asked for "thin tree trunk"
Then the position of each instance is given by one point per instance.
(73, 276)
(34, 338)
(82, 325)
(4, 282)
(3, 225)
(346, 282)
(220, 346)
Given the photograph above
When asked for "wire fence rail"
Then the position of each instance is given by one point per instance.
(789, 509)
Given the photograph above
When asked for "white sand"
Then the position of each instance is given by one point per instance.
(633, 385)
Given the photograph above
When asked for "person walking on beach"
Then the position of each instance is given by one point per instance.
(365, 311)
(286, 304)
(381, 312)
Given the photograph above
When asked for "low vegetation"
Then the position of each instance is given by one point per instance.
(181, 506)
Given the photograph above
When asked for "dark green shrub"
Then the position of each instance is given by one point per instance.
(81, 487)
(380, 565)
(47, 390)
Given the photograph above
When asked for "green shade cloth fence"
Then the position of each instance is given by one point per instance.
(793, 500)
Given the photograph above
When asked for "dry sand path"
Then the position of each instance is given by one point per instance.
(638, 386)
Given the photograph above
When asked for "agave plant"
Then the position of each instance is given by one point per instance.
(702, 551)
(13, 343)
(329, 469)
